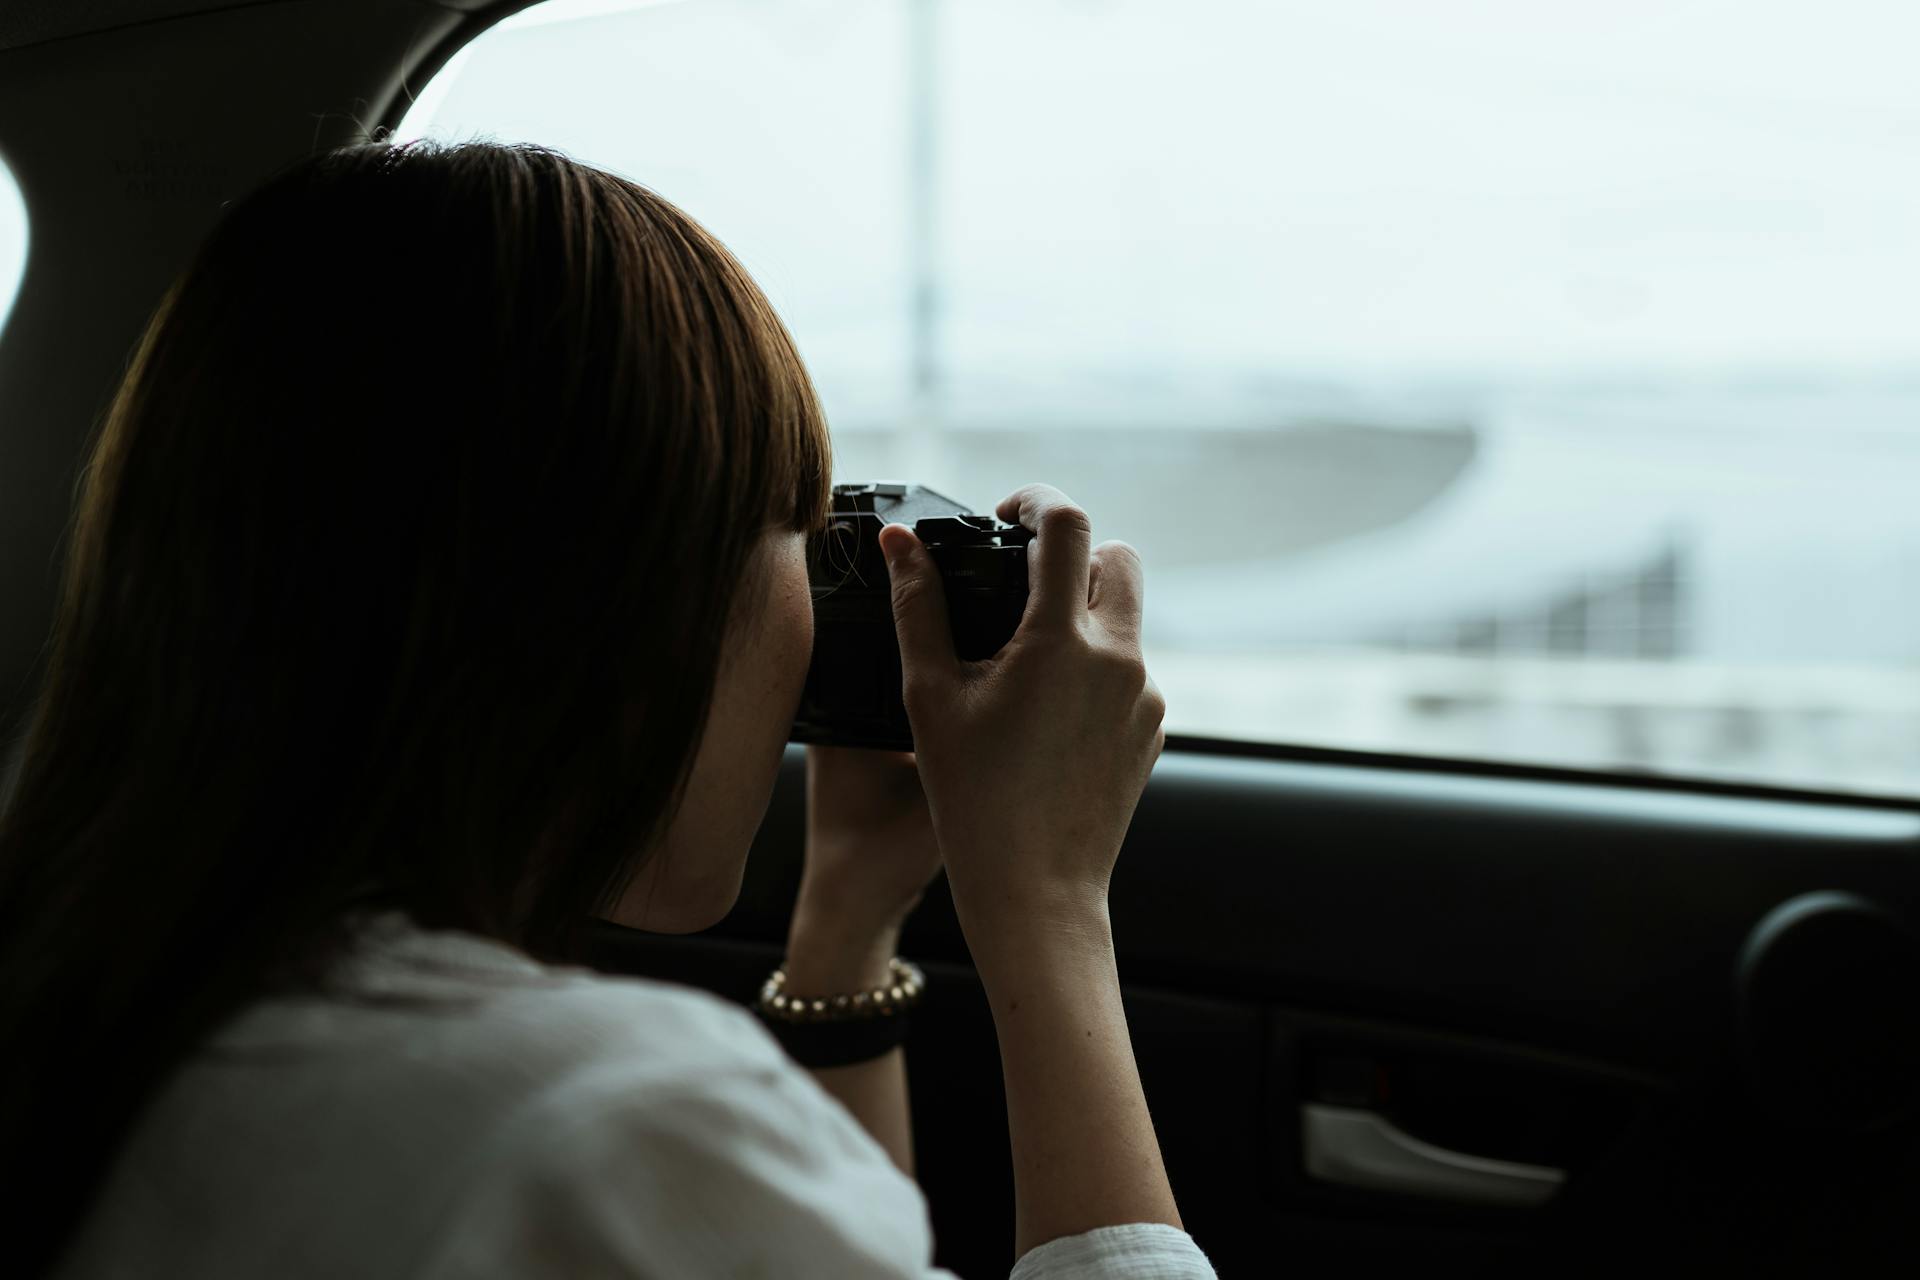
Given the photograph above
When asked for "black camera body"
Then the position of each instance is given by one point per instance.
(852, 697)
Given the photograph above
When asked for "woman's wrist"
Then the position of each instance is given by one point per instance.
(1034, 920)
(1020, 955)
(830, 951)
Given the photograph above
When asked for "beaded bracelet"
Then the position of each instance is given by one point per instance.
(884, 1001)
(840, 1030)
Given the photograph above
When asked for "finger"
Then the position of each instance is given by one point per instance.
(1153, 705)
(1059, 569)
(1115, 592)
(919, 605)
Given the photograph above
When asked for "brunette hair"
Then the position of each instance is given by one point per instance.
(398, 575)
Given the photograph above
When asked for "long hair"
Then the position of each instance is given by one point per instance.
(398, 575)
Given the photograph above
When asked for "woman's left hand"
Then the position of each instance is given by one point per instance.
(870, 855)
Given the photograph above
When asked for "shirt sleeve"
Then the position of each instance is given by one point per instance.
(1135, 1251)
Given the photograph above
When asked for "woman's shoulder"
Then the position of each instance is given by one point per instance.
(451, 1107)
(451, 999)
(630, 1126)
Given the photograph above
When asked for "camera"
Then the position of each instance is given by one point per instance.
(852, 697)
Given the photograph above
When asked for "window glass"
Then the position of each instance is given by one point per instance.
(13, 241)
(1490, 379)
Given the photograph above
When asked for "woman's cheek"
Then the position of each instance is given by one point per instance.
(798, 610)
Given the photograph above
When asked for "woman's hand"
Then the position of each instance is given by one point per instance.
(870, 854)
(1034, 759)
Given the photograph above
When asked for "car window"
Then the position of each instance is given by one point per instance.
(1489, 380)
(13, 241)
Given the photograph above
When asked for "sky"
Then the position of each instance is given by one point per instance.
(1380, 189)
(1253, 213)
(1371, 191)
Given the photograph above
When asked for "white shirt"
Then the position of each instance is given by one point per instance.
(467, 1112)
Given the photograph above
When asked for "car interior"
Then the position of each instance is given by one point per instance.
(1394, 1009)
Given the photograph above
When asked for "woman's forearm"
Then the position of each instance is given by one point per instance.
(1084, 1150)
(823, 960)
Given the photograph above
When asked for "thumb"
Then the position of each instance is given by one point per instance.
(919, 603)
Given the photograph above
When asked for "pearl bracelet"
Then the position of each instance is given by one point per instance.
(884, 1001)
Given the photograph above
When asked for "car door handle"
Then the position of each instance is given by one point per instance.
(1353, 1147)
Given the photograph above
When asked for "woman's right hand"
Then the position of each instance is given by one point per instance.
(1033, 760)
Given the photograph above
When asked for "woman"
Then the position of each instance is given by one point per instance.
(383, 666)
